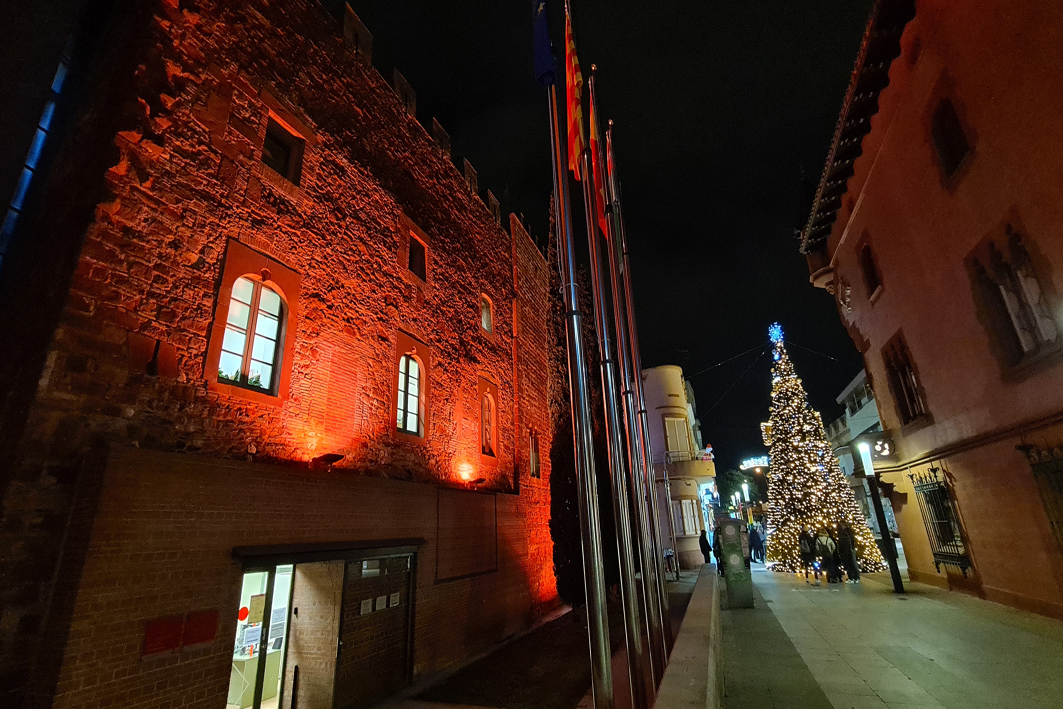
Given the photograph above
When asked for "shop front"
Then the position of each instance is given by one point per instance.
(322, 625)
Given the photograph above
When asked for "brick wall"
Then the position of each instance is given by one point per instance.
(185, 181)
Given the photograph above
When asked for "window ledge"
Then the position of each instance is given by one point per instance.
(1034, 362)
(281, 183)
(873, 298)
(917, 424)
(242, 392)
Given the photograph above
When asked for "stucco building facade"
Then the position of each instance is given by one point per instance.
(274, 373)
(937, 228)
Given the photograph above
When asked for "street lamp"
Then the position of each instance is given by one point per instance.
(889, 548)
(745, 491)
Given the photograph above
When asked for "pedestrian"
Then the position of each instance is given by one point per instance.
(763, 542)
(717, 549)
(847, 552)
(825, 550)
(806, 544)
(754, 544)
(706, 548)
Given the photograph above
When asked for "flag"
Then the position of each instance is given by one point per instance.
(573, 83)
(596, 162)
(544, 56)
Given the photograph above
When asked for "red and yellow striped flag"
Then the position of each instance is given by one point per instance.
(573, 82)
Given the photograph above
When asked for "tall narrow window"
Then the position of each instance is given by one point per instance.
(408, 402)
(869, 269)
(417, 262)
(487, 425)
(677, 438)
(950, 141)
(29, 166)
(533, 455)
(486, 314)
(907, 392)
(254, 329)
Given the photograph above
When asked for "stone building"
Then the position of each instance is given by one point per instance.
(937, 228)
(683, 467)
(275, 419)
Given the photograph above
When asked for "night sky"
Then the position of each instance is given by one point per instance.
(724, 113)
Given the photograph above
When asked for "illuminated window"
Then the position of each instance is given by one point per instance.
(486, 314)
(950, 140)
(282, 151)
(533, 455)
(408, 402)
(30, 164)
(487, 425)
(254, 331)
(417, 262)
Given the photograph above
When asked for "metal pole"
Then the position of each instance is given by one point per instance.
(651, 603)
(615, 445)
(590, 526)
(889, 548)
(647, 448)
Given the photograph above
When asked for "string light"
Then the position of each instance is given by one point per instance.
(806, 485)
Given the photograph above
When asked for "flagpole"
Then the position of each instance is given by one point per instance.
(647, 448)
(651, 589)
(618, 463)
(590, 525)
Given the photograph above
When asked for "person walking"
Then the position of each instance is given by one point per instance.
(847, 552)
(806, 544)
(706, 548)
(717, 549)
(754, 544)
(825, 550)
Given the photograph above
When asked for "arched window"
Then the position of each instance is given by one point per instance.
(487, 425)
(408, 402)
(254, 331)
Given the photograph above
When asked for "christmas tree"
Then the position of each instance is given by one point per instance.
(806, 486)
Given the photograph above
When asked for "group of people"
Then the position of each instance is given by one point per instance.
(829, 550)
(755, 538)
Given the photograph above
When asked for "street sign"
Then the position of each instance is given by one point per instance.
(749, 463)
(880, 443)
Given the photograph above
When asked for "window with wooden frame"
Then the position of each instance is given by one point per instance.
(904, 384)
(252, 338)
(254, 335)
(488, 417)
(677, 438)
(487, 314)
(949, 138)
(1011, 301)
(282, 151)
(408, 401)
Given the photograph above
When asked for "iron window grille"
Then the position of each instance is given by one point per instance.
(1047, 466)
(941, 519)
(907, 392)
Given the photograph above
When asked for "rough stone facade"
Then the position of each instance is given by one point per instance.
(132, 363)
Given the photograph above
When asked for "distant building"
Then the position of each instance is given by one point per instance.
(275, 417)
(937, 228)
(860, 417)
(682, 464)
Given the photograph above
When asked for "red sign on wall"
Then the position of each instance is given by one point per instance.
(163, 635)
(201, 627)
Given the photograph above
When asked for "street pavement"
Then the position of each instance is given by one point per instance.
(860, 646)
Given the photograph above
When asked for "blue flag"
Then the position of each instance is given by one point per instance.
(544, 55)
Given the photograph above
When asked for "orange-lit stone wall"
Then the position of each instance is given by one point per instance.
(922, 226)
(129, 365)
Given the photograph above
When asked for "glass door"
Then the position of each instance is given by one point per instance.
(259, 647)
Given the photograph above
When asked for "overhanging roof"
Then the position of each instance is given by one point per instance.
(880, 46)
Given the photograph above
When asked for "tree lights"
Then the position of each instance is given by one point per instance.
(805, 484)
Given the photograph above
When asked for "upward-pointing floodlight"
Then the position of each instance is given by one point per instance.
(775, 333)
